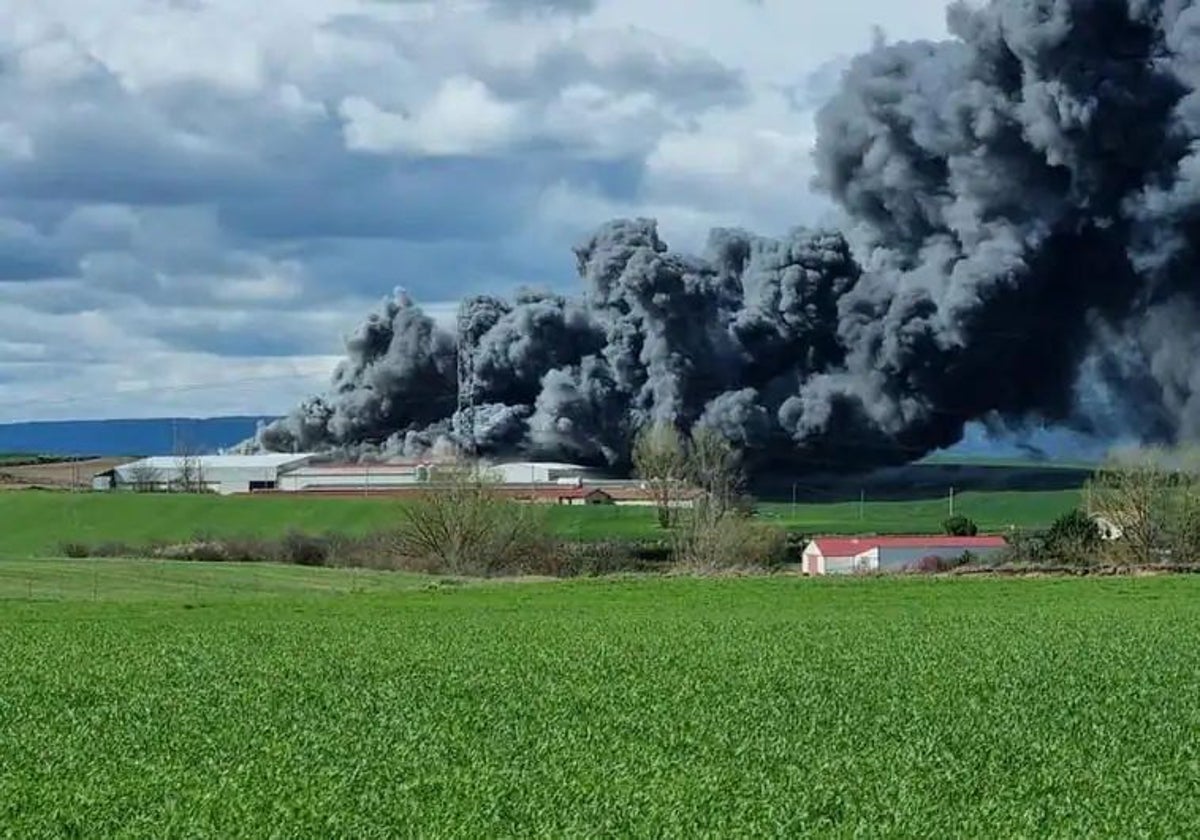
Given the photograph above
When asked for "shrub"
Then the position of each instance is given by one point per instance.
(928, 565)
(304, 550)
(1074, 539)
(250, 550)
(466, 528)
(590, 559)
(74, 550)
(707, 543)
(115, 549)
(207, 551)
(934, 563)
(960, 526)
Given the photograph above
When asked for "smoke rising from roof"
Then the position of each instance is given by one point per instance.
(1024, 205)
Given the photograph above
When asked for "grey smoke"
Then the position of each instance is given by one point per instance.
(1024, 205)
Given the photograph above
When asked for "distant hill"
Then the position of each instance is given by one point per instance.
(155, 436)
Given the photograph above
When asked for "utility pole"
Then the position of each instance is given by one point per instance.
(951, 501)
(465, 353)
(862, 504)
(794, 500)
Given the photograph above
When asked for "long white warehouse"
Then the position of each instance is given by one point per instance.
(224, 474)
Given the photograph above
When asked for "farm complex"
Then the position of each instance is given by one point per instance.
(226, 475)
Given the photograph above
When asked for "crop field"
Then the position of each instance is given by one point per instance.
(623, 707)
(35, 524)
(127, 581)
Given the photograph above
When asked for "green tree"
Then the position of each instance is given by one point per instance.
(1073, 538)
(960, 526)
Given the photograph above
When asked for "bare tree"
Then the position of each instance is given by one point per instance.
(716, 532)
(462, 525)
(660, 459)
(1132, 496)
(715, 467)
(189, 471)
(1152, 497)
(709, 539)
(142, 477)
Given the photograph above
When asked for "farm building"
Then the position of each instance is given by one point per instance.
(398, 475)
(360, 477)
(844, 555)
(224, 474)
(539, 472)
(635, 494)
(551, 495)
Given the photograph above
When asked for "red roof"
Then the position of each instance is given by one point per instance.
(849, 546)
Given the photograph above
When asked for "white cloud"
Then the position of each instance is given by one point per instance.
(462, 118)
(215, 190)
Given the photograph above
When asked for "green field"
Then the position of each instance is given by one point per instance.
(637, 707)
(127, 581)
(37, 523)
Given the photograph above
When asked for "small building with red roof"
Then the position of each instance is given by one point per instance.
(844, 555)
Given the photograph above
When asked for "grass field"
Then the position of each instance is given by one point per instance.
(126, 581)
(36, 523)
(644, 707)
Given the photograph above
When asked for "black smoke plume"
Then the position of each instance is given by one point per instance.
(1024, 206)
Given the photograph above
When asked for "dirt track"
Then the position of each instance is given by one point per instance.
(61, 476)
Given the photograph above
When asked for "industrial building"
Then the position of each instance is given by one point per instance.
(305, 473)
(845, 555)
(223, 474)
(369, 477)
(356, 477)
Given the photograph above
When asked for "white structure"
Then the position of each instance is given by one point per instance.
(539, 472)
(844, 555)
(227, 474)
(363, 477)
(224, 474)
(1109, 530)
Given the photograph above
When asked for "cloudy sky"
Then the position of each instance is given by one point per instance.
(199, 198)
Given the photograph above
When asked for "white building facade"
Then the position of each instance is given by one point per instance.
(223, 474)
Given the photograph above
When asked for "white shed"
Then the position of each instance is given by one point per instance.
(224, 474)
(832, 555)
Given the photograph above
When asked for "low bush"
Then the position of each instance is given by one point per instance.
(467, 528)
(114, 549)
(304, 550)
(1073, 539)
(381, 551)
(590, 559)
(960, 526)
(934, 564)
(704, 544)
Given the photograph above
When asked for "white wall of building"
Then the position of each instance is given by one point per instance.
(353, 476)
(893, 559)
(813, 562)
(224, 474)
(539, 472)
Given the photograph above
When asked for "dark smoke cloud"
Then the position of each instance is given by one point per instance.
(1024, 205)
